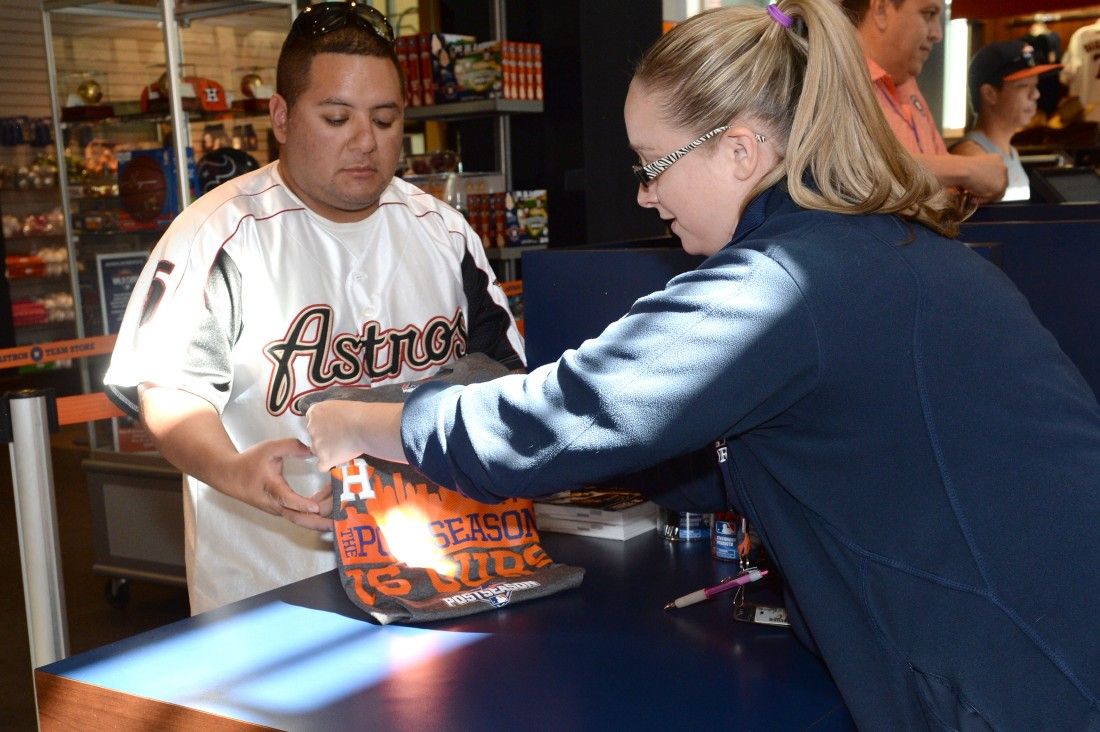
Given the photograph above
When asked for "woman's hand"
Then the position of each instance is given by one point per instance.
(341, 430)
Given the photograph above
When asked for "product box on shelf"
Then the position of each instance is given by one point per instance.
(407, 50)
(479, 71)
(447, 67)
(445, 48)
(417, 58)
(497, 70)
(487, 217)
(527, 218)
(423, 64)
(148, 191)
(536, 70)
(522, 70)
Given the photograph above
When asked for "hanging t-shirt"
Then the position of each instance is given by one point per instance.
(1081, 72)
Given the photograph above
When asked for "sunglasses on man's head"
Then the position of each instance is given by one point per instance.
(317, 20)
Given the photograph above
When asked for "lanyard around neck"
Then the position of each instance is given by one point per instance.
(911, 124)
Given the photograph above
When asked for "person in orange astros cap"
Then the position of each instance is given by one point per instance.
(1004, 90)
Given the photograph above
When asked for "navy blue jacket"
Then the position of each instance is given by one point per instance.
(921, 459)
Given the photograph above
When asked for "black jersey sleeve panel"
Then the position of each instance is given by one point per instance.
(208, 354)
(489, 321)
(223, 297)
(125, 398)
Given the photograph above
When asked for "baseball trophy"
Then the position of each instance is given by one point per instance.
(83, 96)
(255, 88)
(89, 91)
(250, 85)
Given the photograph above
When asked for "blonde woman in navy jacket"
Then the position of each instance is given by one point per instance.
(919, 456)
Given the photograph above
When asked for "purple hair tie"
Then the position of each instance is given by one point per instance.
(779, 16)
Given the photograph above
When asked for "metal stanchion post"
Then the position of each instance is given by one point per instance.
(36, 518)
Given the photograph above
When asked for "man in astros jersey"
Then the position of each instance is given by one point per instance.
(319, 269)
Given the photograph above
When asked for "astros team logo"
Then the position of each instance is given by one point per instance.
(374, 355)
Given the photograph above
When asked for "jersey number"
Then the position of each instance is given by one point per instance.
(156, 289)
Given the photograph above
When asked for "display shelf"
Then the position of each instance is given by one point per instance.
(33, 284)
(26, 335)
(473, 108)
(138, 239)
(27, 196)
(161, 117)
(184, 11)
(38, 281)
(508, 259)
(25, 240)
(82, 197)
(506, 254)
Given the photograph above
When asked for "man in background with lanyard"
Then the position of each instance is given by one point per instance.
(897, 36)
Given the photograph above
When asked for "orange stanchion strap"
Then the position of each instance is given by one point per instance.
(85, 408)
(40, 353)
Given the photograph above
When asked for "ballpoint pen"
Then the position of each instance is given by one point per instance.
(706, 593)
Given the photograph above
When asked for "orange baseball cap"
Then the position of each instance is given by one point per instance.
(1003, 61)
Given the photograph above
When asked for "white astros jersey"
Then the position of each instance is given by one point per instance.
(251, 300)
(1081, 70)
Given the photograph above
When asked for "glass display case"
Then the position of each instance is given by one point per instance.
(36, 256)
(135, 88)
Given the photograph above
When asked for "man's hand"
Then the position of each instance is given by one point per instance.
(983, 175)
(189, 433)
(255, 477)
(987, 177)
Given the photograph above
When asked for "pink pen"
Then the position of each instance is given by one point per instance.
(708, 592)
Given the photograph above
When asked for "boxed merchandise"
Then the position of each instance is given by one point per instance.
(414, 53)
(523, 70)
(148, 191)
(498, 69)
(621, 532)
(535, 50)
(444, 49)
(424, 68)
(527, 218)
(606, 513)
(478, 71)
(447, 67)
(408, 55)
(602, 505)
(487, 217)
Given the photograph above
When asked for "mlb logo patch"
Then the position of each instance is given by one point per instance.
(499, 601)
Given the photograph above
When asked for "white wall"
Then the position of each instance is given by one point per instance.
(24, 88)
(128, 54)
